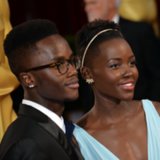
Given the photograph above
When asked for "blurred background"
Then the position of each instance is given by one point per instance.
(67, 14)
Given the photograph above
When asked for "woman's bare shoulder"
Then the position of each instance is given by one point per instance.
(155, 103)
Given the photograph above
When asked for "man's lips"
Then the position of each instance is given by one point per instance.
(73, 84)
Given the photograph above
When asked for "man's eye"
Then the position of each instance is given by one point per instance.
(57, 64)
(60, 62)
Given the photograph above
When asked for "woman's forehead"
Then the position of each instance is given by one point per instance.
(113, 48)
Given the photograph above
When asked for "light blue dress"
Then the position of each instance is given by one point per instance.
(91, 149)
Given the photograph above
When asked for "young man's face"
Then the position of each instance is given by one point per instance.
(50, 84)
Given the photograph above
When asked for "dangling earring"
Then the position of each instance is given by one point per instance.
(89, 80)
(31, 86)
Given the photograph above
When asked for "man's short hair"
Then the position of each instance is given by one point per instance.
(22, 38)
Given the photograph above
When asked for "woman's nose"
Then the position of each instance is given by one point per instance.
(127, 71)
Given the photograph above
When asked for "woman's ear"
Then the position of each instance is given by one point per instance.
(27, 79)
(86, 74)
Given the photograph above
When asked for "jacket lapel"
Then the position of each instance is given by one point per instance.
(53, 130)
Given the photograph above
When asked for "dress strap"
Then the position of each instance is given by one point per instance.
(153, 130)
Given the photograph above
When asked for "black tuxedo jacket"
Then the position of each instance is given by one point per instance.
(33, 136)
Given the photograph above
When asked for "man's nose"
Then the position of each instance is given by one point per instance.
(72, 69)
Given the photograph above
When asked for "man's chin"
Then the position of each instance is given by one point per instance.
(72, 97)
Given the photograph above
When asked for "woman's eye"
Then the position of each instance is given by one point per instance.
(133, 63)
(114, 66)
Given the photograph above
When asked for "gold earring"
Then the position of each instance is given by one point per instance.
(89, 80)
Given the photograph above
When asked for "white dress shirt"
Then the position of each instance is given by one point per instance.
(116, 18)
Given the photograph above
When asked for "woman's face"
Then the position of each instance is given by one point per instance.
(114, 70)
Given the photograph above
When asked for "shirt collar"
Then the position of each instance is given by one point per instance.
(116, 18)
(53, 116)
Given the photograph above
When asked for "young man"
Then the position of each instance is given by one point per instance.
(43, 62)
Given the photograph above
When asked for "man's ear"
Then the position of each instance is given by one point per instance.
(27, 79)
(86, 73)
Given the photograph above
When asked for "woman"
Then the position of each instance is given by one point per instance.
(116, 127)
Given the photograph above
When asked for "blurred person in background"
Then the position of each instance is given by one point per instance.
(102, 9)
